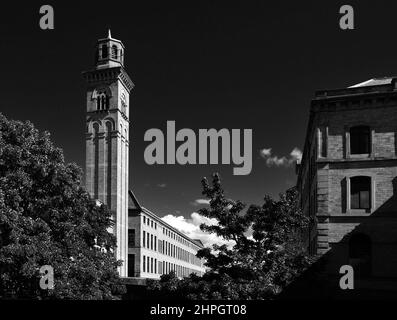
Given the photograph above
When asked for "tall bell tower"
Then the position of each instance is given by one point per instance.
(107, 137)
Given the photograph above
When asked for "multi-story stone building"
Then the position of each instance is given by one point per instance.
(348, 179)
(144, 250)
(156, 248)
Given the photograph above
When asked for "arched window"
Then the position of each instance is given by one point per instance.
(360, 192)
(360, 254)
(106, 103)
(102, 96)
(114, 52)
(104, 51)
(123, 102)
(360, 140)
(95, 127)
(102, 101)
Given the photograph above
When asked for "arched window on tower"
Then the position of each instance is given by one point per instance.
(123, 102)
(104, 51)
(114, 52)
(102, 102)
(107, 103)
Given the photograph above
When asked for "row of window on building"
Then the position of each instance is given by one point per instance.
(149, 241)
(360, 186)
(152, 265)
(359, 141)
(176, 237)
(153, 224)
(360, 195)
(179, 253)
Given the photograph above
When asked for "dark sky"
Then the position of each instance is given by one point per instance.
(204, 64)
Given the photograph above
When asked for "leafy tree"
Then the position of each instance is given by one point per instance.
(268, 251)
(47, 218)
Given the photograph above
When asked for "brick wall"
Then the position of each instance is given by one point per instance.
(330, 122)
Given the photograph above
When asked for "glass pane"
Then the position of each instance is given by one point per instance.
(364, 200)
(360, 140)
(104, 51)
(131, 238)
(355, 201)
(363, 142)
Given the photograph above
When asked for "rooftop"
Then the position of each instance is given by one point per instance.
(374, 82)
(381, 85)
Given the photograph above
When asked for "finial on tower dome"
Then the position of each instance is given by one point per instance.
(109, 34)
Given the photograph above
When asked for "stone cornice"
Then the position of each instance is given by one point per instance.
(98, 76)
(328, 160)
(109, 111)
(355, 102)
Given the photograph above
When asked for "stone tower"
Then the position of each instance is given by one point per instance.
(107, 137)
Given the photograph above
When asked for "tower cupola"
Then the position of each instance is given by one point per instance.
(109, 53)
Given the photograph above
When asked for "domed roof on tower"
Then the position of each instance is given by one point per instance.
(109, 52)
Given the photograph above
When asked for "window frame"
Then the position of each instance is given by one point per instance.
(354, 141)
(347, 207)
(114, 52)
(131, 236)
(359, 185)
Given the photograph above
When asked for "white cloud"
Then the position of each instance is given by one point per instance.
(200, 202)
(191, 228)
(295, 156)
(162, 185)
(266, 152)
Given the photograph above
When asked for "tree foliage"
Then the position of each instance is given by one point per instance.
(47, 218)
(268, 251)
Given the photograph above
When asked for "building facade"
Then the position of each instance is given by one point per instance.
(347, 179)
(156, 248)
(107, 173)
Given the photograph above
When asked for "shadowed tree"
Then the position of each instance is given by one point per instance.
(47, 218)
(265, 254)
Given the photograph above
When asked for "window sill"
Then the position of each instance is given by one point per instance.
(352, 213)
(349, 215)
(350, 159)
(359, 211)
(359, 156)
